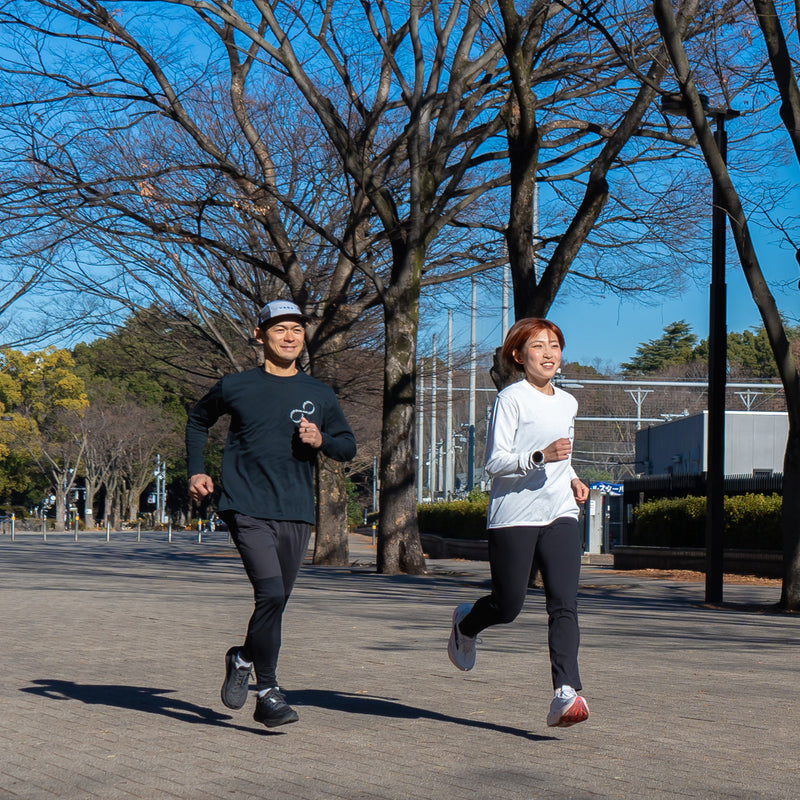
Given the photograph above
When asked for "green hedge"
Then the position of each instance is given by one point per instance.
(456, 519)
(752, 522)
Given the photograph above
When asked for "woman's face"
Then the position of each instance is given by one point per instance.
(540, 357)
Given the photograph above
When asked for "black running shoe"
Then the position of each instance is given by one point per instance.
(273, 710)
(237, 679)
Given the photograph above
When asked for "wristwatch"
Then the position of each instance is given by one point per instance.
(538, 458)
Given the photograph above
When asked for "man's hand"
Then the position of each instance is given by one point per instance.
(200, 486)
(310, 434)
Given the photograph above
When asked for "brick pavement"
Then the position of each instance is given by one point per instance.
(113, 654)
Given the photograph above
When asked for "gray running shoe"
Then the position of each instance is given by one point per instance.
(460, 648)
(568, 708)
(237, 679)
(273, 710)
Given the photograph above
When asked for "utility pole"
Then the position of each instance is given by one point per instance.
(505, 303)
(473, 367)
(449, 479)
(432, 464)
(536, 229)
(160, 474)
(420, 437)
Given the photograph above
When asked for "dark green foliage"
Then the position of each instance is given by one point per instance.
(749, 352)
(158, 358)
(675, 346)
(752, 522)
(458, 519)
(355, 516)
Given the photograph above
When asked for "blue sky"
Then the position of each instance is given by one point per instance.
(609, 329)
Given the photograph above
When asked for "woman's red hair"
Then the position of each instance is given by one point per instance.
(519, 333)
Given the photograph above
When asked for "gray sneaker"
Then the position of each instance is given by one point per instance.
(273, 710)
(568, 708)
(460, 648)
(237, 680)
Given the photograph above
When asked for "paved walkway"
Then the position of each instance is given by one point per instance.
(112, 657)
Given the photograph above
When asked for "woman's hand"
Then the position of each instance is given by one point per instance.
(558, 450)
(580, 490)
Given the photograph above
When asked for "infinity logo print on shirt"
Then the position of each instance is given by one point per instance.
(296, 414)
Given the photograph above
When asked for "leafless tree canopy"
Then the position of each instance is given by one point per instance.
(209, 155)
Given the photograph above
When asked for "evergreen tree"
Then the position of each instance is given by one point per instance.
(675, 346)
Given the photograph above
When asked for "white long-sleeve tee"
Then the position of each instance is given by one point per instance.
(525, 420)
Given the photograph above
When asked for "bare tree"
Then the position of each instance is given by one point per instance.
(622, 69)
(786, 83)
(193, 202)
(409, 109)
(18, 283)
(375, 164)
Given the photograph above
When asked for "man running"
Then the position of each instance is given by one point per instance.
(280, 418)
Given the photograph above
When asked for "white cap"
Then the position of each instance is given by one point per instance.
(278, 309)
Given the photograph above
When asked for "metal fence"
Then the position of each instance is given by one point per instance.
(652, 486)
(175, 535)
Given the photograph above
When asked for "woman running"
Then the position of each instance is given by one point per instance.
(533, 511)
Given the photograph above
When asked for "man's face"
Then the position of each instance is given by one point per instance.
(283, 341)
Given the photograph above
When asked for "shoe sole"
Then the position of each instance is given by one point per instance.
(228, 660)
(451, 646)
(577, 712)
(274, 723)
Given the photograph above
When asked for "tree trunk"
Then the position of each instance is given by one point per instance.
(88, 504)
(790, 516)
(131, 509)
(501, 373)
(331, 546)
(61, 507)
(108, 500)
(116, 508)
(399, 546)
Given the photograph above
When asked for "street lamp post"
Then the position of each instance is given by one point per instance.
(717, 359)
(160, 474)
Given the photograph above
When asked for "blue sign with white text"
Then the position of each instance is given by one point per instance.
(614, 489)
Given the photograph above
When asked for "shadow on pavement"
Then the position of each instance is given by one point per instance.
(387, 707)
(136, 698)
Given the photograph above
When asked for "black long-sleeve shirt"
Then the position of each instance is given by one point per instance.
(267, 472)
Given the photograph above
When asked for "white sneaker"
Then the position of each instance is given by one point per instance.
(568, 708)
(460, 648)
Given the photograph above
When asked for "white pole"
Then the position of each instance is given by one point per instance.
(449, 480)
(374, 483)
(432, 464)
(473, 367)
(420, 436)
(157, 474)
(536, 229)
(504, 312)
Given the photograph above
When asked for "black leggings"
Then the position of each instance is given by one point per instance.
(557, 548)
(272, 552)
